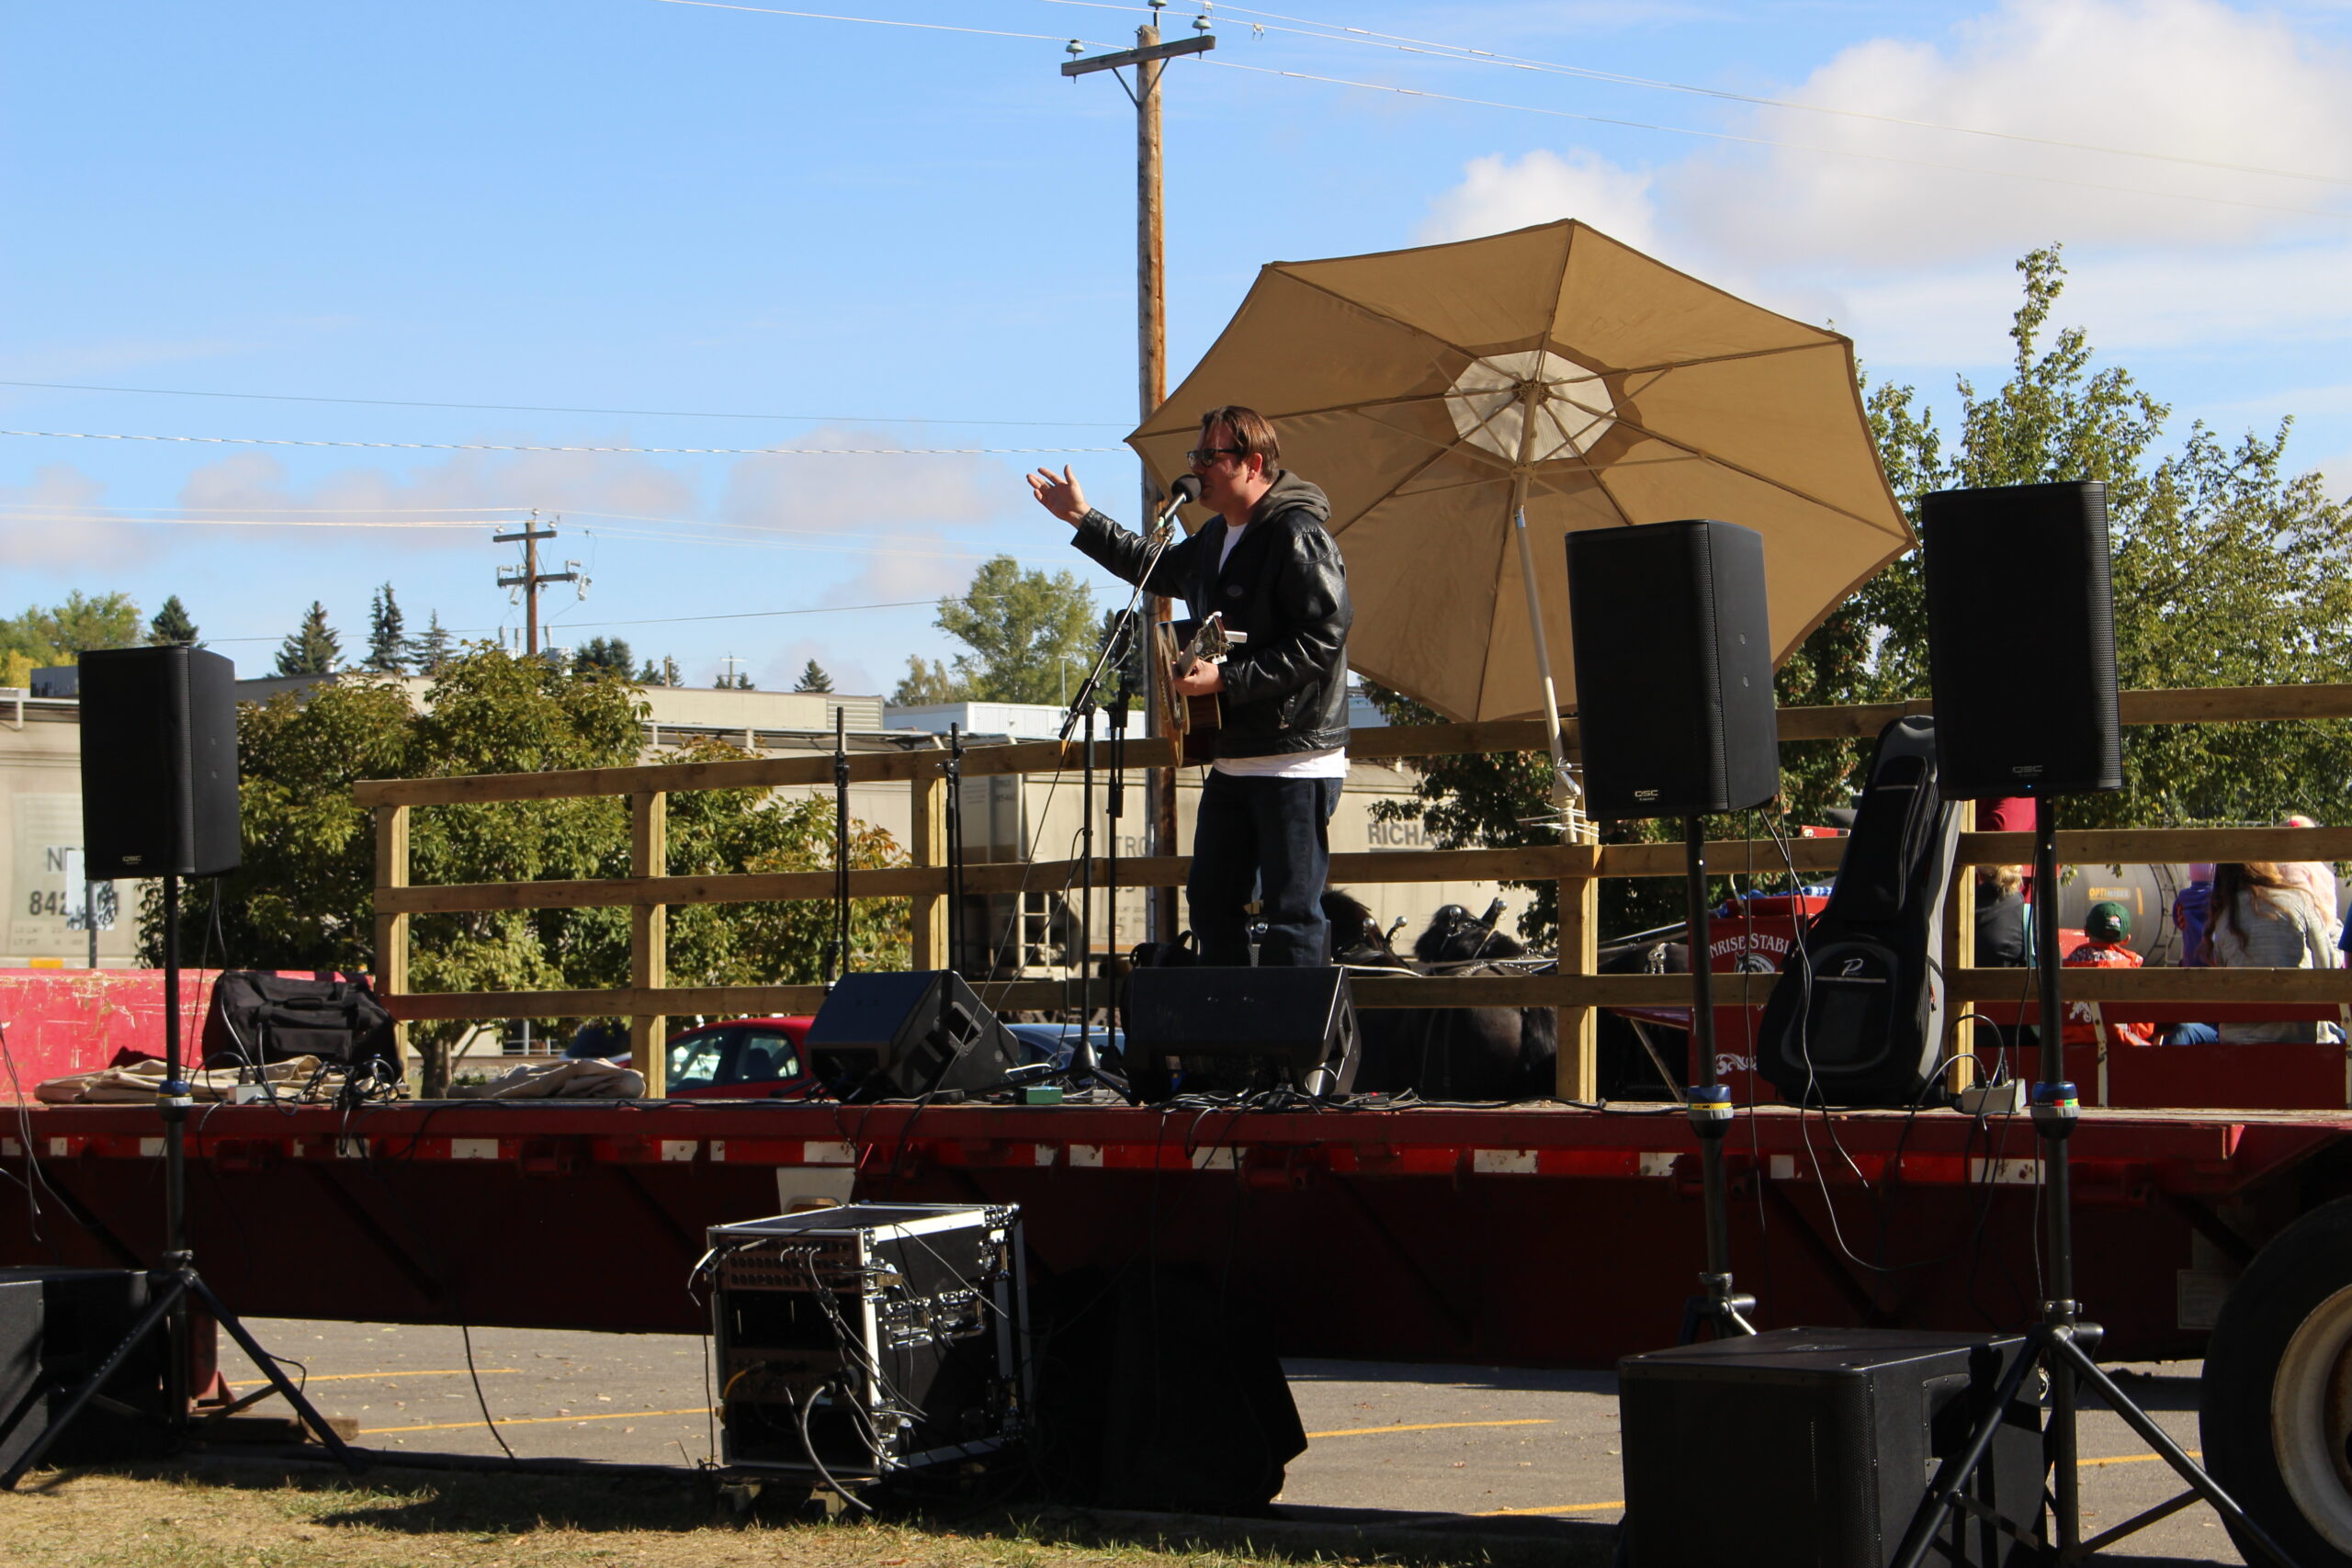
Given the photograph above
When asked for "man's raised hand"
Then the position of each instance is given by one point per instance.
(1059, 496)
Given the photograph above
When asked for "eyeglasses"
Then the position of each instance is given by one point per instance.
(1206, 457)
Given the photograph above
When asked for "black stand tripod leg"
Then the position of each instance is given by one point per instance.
(2171, 1452)
(302, 1407)
(165, 1299)
(1954, 1472)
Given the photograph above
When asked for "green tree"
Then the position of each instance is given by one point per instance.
(40, 638)
(2229, 569)
(388, 645)
(609, 654)
(1023, 629)
(428, 654)
(929, 685)
(303, 896)
(664, 674)
(813, 679)
(312, 648)
(171, 625)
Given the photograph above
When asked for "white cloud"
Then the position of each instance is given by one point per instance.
(2187, 78)
(57, 521)
(1498, 194)
(495, 484)
(835, 495)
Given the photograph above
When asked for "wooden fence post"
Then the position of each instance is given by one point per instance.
(931, 913)
(392, 930)
(1576, 1070)
(649, 939)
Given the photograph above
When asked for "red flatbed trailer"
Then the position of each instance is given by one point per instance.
(1532, 1236)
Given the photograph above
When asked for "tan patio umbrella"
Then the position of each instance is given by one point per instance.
(1403, 384)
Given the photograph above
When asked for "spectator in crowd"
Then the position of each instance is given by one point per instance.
(2263, 921)
(2316, 877)
(2106, 934)
(2004, 936)
(2190, 909)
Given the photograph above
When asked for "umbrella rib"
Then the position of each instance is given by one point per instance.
(1431, 461)
(1701, 452)
(1384, 316)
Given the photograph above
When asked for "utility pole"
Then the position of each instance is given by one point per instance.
(1148, 57)
(533, 576)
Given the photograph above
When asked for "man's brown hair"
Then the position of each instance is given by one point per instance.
(1251, 432)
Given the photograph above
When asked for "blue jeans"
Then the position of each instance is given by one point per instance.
(1268, 837)
(2191, 1034)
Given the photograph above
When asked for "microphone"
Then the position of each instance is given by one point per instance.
(1186, 488)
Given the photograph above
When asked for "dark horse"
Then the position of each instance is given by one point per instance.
(1482, 1054)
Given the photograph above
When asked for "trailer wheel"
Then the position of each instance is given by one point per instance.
(2274, 1405)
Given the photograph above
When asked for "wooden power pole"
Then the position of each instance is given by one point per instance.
(1149, 57)
(532, 576)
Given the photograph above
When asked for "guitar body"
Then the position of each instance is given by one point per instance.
(1191, 722)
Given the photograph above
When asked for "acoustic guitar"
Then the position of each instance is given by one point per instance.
(1191, 722)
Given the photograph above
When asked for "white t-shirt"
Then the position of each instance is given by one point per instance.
(1329, 763)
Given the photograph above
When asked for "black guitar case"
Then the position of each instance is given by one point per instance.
(1858, 1016)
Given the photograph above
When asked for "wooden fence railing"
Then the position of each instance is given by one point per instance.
(648, 893)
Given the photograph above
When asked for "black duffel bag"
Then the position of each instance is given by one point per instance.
(258, 1017)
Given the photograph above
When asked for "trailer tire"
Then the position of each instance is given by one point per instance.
(2275, 1404)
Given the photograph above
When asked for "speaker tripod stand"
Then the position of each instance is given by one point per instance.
(2062, 1342)
(176, 1280)
(1709, 1106)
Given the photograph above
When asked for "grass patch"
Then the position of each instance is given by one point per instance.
(199, 1516)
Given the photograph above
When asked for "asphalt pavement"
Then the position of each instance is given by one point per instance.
(1399, 1444)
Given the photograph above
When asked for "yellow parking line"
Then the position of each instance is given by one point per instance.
(532, 1421)
(350, 1377)
(1429, 1426)
(2136, 1458)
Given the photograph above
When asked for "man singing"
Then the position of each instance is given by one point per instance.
(1268, 565)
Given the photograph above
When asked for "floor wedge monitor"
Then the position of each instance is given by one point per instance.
(1203, 1029)
(908, 1034)
(159, 763)
(1673, 668)
(2022, 640)
(1815, 1445)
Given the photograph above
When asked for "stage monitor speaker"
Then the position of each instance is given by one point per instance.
(2022, 640)
(57, 1326)
(908, 1034)
(1200, 1029)
(159, 763)
(1674, 668)
(1813, 1446)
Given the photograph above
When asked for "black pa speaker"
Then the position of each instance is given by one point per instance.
(908, 1034)
(1204, 1028)
(2022, 640)
(1816, 1445)
(159, 763)
(1674, 668)
(57, 1327)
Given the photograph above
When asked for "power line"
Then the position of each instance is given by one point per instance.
(866, 21)
(510, 447)
(1767, 142)
(1334, 33)
(538, 408)
(679, 620)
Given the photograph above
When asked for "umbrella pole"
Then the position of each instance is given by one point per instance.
(1560, 797)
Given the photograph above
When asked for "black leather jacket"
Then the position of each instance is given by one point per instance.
(1286, 688)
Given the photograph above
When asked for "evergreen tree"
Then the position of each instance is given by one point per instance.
(312, 648)
(814, 679)
(171, 625)
(608, 654)
(428, 654)
(387, 649)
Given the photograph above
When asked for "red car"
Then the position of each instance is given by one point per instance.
(741, 1058)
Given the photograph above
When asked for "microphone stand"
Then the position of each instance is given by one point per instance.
(1162, 535)
(1115, 809)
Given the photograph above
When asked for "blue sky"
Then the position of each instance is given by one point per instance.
(908, 238)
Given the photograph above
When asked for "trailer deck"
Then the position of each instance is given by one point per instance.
(1532, 1236)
